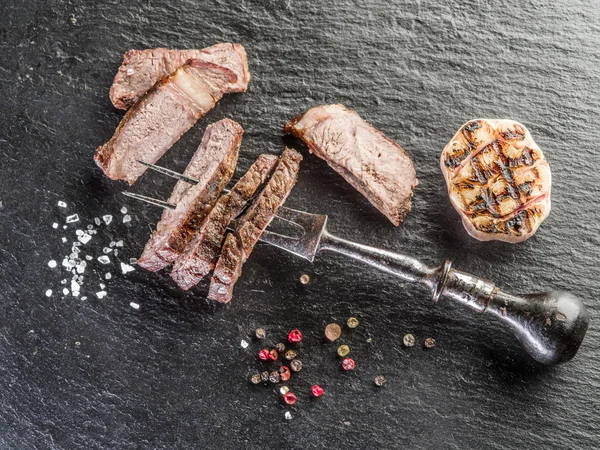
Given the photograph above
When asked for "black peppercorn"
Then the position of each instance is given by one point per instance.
(274, 377)
(280, 347)
(296, 365)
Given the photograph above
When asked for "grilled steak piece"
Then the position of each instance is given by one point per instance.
(200, 254)
(498, 180)
(159, 119)
(142, 69)
(239, 244)
(376, 166)
(212, 165)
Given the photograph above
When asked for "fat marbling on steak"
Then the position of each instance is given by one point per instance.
(161, 117)
(498, 180)
(375, 165)
(212, 165)
(239, 243)
(142, 69)
(199, 257)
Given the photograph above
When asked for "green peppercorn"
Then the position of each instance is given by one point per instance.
(352, 322)
(343, 350)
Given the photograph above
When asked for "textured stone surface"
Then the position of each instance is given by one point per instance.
(173, 374)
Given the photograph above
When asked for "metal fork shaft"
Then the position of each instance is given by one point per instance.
(549, 325)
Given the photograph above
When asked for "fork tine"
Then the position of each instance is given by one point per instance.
(152, 201)
(308, 221)
(169, 172)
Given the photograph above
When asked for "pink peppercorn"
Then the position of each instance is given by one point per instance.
(295, 336)
(273, 354)
(348, 364)
(290, 398)
(264, 354)
(317, 390)
(284, 373)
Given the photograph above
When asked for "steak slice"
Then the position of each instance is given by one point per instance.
(159, 119)
(142, 69)
(498, 180)
(376, 166)
(200, 254)
(239, 244)
(212, 165)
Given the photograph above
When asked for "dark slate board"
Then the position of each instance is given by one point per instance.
(99, 374)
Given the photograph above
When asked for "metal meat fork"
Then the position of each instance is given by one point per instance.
(549, 325)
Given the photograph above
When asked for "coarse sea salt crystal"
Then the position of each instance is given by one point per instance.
(134, 305)
(72, 219)
(79, 232)
(83, 298)
(64, 239)
(52, 264)
(130, 71)
(119, 243)
(124, 210)
(55, 225)
(126, 218)
(64, 227)
(97, 221)
(125, 268)
(65, 291)
(62, 204)
(112, 244)
(85, 238)
(63, 281)
(132, 261)
(49, 293)
(107, 250)
(108, 276)
(89, 257)
(90, 227)
(288, 415)
(244, 344)
(101, 294)
(107, 219)
(116, 252)
(102, 286)
(104, 259)
(81, 267)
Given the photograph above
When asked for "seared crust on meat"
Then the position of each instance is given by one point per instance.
(498, 180)
(372, 163)
(212, 165)
(240, 243)
(142, 69)
(199, 257)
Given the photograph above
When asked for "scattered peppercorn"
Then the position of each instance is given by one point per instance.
(290, 398)
(273, 355)
(295, 336)
(380, 380)
(343, 350)
(264, 354)
(261, 333)
(352, 322)
(348, 364)
(274, 377)
(408, 340)
(429, 343)
(332, 332)
(290, 354)
(256, 378)
(284, 373)
(296, 365)
(316, 390)
(280, 347)
(304, 279)
(284, 390)
(264, 376)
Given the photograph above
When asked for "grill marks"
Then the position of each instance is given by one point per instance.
(501, 185)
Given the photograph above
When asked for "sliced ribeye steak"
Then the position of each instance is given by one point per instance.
(159, 119)
(212, 165)
(199, 257)
(239, 243)
(376, 166)
(498, 180)
(142, 69)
